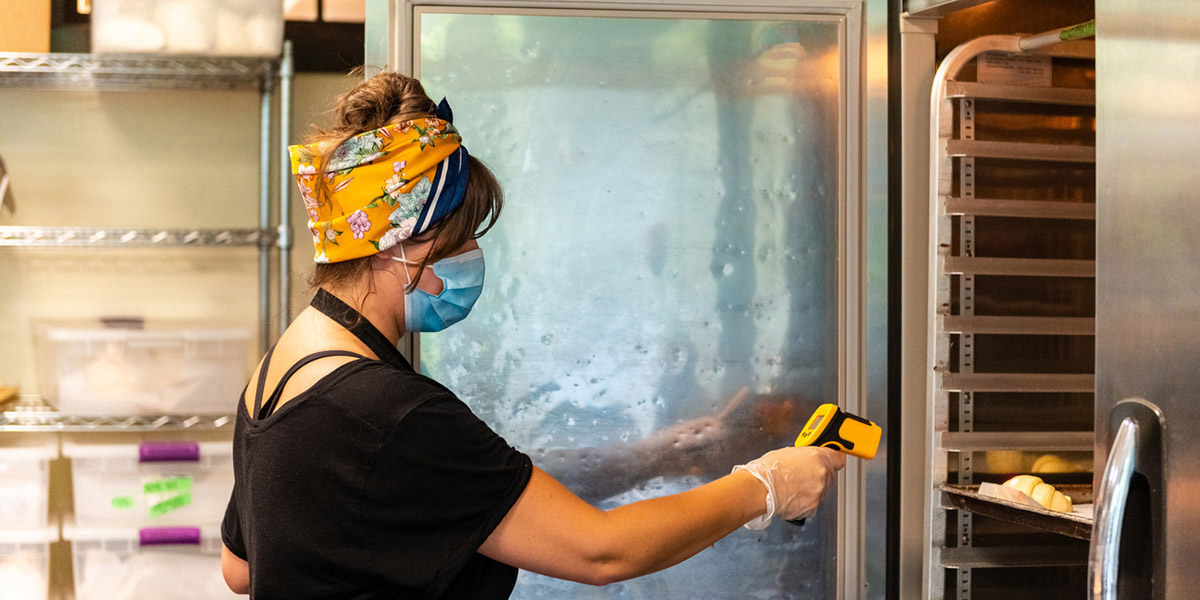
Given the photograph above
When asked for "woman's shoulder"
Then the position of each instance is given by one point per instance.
(383, 395)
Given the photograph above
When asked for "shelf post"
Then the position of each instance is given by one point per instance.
(264, 214)
(286, 71)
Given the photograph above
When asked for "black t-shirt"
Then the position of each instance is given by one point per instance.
(377, 482)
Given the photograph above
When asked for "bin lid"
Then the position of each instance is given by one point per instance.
(28, 447)
(44, 535)
(137, 450)
(101, 330)
(150, 535)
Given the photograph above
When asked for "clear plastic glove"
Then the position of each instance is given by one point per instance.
(796, 480)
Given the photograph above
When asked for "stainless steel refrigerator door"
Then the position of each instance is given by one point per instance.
(1148, 251)
(686, 216)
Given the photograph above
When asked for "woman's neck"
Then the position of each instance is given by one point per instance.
(379, 307)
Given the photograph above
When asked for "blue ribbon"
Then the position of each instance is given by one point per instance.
(443, 111)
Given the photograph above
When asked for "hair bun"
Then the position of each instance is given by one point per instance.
(378, 100)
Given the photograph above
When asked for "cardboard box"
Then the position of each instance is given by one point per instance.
(25, 26)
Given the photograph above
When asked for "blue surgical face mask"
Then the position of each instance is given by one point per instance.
(462, 282)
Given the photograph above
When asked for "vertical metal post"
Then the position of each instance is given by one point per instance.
(264, 214)
(966, 350)
(286, 70)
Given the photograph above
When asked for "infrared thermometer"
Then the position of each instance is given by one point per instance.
(831, 427)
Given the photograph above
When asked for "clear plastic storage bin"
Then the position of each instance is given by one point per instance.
(150, 484)
(131, 368)
(25, 563)
(24, 481)
(212, 27)
(179, 563)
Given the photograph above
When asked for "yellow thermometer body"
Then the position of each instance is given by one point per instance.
(831, 427)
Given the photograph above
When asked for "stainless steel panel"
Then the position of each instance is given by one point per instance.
(1148, 227)
(870, 580)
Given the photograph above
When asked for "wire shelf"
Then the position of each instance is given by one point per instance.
(61, 237)
(31, 414)
(135, 71)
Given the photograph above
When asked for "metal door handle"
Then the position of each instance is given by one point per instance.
(1110, 511)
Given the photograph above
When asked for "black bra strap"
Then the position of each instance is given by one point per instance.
(269, 407)
(262, 380)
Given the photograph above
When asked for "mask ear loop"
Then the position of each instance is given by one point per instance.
(404, 259)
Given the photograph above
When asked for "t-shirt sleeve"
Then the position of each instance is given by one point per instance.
(231, 528)
(438, 488)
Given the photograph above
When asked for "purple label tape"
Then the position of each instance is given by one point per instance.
(160, 536)
(169, 452)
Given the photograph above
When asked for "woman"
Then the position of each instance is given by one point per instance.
(357, 477)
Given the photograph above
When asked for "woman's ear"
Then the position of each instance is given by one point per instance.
(386, 255)
(390, 261)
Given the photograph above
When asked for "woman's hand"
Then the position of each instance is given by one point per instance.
(796, 479)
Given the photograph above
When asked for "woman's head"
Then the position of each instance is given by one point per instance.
(390, 169)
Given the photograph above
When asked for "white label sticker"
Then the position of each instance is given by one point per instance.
(1002, 68)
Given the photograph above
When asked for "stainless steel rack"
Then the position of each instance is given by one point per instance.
(147, 72)
(150, 72)
(31, 414)
(136, 72)
(1016, 440)
(1021, 151)
(1021, 93)
(957, 389)
(83, 73)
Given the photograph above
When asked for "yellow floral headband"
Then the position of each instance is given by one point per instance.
(384, 186)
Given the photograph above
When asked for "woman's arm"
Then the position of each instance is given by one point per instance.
(552, 532)
(236, 572)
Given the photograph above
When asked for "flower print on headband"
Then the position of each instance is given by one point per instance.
(381, 187)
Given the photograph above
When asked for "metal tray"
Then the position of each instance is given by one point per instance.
(967, 497)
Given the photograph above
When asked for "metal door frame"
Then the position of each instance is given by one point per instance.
(862, 180)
